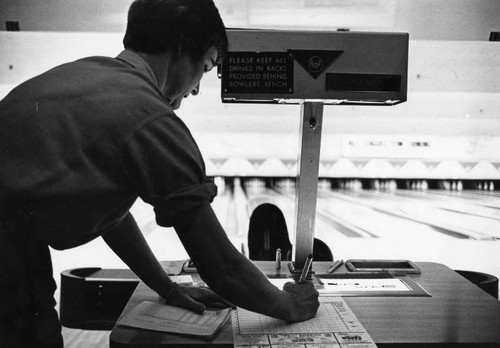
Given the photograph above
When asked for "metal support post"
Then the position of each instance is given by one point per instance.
(307, 180)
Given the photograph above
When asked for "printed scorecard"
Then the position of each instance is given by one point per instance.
(335, 325)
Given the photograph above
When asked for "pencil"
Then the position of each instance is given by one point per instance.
(305, 270)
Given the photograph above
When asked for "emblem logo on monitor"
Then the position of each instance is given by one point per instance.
(315, 62)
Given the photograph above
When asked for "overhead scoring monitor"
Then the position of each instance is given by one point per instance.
(313, 69)
(336, 67)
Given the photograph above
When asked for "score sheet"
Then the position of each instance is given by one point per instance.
(335, 325)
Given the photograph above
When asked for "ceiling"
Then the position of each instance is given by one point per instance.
(423, 19)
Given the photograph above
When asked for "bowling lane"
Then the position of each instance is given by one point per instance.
(473, 204)
(343, 222)
(368, 216)
(284, 199)
(460, 223)
(363, 214)
(458, 229)
(339, 219)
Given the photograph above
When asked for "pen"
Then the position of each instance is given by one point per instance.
(335, 265)
(305, 270)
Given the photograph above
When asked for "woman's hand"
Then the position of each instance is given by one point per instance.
(195, 298)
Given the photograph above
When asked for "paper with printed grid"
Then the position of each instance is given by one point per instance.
(335, 325)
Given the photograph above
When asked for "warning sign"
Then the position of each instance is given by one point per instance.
(258, 72)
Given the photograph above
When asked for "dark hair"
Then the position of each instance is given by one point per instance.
(184, 26)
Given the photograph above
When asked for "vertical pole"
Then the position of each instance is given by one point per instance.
(307, 180)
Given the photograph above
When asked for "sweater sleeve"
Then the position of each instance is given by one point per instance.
(167, 169)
